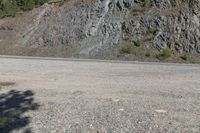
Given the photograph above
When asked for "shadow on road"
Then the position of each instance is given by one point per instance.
(12, 107)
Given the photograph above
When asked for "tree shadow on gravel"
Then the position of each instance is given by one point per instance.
(13, 105)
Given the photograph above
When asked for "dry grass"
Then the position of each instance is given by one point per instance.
(7, 84)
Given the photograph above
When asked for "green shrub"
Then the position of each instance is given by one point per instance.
(126, 48)
(149, 37)
(1, 14)
(188, 59)
(27, 5)
(4, 121)
(146, 3)
(7, 8)
(11, 7)
(62, 2)
(150, 34)
(148, 54)
(166, 53)
(40, 2)
(184, 57)
(138, 43)
(152, 30)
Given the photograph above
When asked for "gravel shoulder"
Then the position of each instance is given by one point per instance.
(97, 96)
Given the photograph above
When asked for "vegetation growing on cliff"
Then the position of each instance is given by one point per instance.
(11, 7)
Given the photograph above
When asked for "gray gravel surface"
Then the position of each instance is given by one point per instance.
(109, 97)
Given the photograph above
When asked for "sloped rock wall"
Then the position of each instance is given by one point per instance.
(176, 24)
(94, 28)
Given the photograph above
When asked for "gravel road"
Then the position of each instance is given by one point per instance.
(72, 96)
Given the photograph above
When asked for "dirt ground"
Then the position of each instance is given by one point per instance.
(72, 96)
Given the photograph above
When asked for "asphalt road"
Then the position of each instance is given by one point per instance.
(67, 95)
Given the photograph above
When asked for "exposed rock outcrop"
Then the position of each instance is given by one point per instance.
(96, 28)
(176, 24)
(90, 29)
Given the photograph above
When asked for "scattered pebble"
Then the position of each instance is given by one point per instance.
(121, 109)
(116, 100)
(161, 111)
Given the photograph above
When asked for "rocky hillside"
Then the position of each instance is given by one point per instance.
(149, 30)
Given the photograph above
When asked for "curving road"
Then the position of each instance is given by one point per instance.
(74, 95)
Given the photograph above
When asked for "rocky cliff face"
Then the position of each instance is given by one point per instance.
(88, 28)
(99, 28)
(176, 24)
